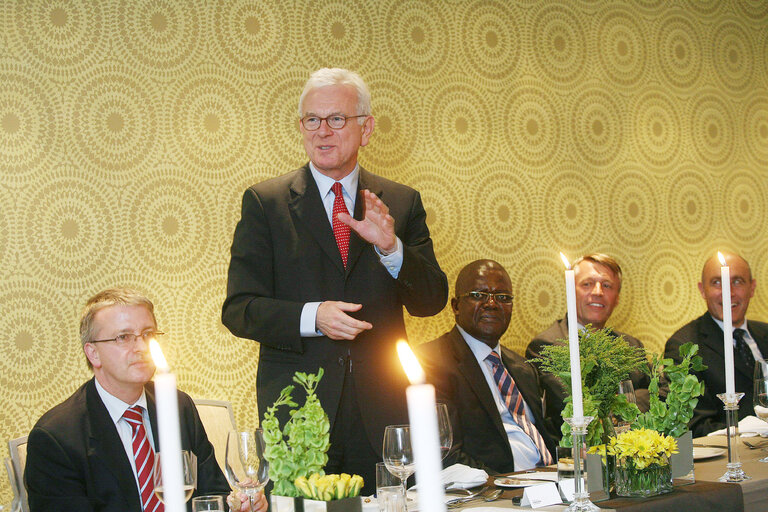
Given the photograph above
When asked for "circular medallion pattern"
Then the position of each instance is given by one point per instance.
(712, 128)
(113, 123)
(621, 46)
(755, 126)
(559, 44)
(733, 59)
(679, 51)
(753, 10)
(29, 114)
(537, 278)
(596, 125)
(57, 38)
(460, 121)
(444, 206)
(491, 41)
(568, 210)
(414, 30)
(633, 210)
(159, 37)
(211, 122)
(532, 131)
(250, 37)
(690, 209)
(657, 128)
(744, 202)
(669, 276)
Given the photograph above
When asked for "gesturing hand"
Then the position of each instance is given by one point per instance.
(377, 226)
(333, 321)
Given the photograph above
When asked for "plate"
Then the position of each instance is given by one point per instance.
(515, 482)
(705, 452)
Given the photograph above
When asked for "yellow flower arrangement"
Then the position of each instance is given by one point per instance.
(644, 447)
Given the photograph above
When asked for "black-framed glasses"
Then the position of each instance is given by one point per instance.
(335, 121)
(128, 338)
(483, 297)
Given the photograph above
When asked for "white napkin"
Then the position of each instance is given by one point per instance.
(463, 477)
(750, 424)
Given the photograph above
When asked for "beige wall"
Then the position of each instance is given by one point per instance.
(129, 129)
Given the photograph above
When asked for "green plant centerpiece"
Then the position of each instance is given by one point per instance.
(672, 415)
(606, 360)
(299, 449)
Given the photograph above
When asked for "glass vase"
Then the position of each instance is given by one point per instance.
(634, 482)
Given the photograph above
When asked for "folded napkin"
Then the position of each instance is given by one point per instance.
(751, 424)
(463, 477)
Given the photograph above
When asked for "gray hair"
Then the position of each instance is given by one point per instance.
(337, 76)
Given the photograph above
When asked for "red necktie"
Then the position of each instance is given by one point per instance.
(340, 230)
(144, 456)
(514, 401)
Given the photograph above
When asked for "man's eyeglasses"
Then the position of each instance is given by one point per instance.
(335, 121)
(128, 338)
(483, 297)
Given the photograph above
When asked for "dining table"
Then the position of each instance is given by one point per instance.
(705, 495)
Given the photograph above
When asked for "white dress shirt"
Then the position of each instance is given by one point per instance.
(523, 449)
(116, 409)
(747, 337)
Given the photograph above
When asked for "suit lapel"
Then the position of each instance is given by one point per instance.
(467, 365)
(306, 204)
(711, 335)
(105, 444)
(759, 333)
(365, 181)
(149, 390)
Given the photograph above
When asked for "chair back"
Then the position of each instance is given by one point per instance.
(18, 450)
(218, 419)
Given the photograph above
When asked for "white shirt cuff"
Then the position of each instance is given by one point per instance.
(307, 325)
(392, 261)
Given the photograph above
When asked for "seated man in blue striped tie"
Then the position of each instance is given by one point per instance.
(95, 451)
(493, 394)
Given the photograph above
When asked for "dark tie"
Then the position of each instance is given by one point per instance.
(744, 356)
(514, 401)
(340, 230)
(144, 456)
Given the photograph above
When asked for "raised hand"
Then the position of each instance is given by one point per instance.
(377, 226)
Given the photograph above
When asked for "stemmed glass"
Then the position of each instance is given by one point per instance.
(189, 469)
(398, 454)
(760, 395)
(444, 429)
(627, 389)
(245, 466)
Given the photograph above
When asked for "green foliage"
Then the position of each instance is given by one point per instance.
(606, 360)
(299, 450)
(671, 417)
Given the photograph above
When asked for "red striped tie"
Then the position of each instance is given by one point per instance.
(514, 401)
(144, 456)
(340, 230)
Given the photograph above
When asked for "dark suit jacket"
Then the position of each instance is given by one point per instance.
(478, 433)
(709, 414)
(77, 463)
(554, 389)
(284, 255)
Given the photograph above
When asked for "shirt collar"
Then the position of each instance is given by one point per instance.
(479, 348)
(114, 405)
(324, 183)
(720, 323)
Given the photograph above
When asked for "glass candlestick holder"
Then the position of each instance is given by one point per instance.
(581, 502)
(734, 472)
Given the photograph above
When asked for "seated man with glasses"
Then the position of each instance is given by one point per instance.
(95, 451)
(493, 394)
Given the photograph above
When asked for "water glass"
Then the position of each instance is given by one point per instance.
(208, 504)
(389, 490)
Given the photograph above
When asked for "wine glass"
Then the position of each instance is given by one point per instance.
(245, 466)
(189, 474)
(760, 395)
(397, 453)
(627, 389)
(208, 504)
(444, 429)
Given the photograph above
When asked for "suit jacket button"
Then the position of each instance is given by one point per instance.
(341, 361)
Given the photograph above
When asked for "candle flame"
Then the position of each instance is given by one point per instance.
(157, 355)
(410, 364)
(565, 261)
(721, 258)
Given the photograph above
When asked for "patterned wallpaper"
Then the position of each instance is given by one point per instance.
(130, 128)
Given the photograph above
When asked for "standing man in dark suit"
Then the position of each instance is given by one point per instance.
(493, 394)
(750, 342)
(83, 454)
(598, 283)
(317, 287)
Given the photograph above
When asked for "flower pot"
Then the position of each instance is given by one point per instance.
(288, 504)
(682, 462)
(637, 481)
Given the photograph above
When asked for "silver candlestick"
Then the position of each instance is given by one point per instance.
(581, 502)
(733, 473)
